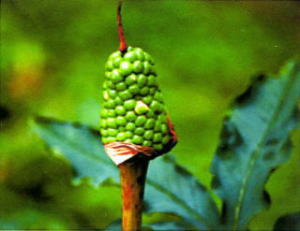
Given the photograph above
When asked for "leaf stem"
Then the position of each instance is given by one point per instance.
(133, 174)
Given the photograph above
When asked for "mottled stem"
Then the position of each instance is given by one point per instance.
(133, 175)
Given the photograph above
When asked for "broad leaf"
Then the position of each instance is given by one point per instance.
(169, 187)
(81, 146)
(255, 140)
(288, 222)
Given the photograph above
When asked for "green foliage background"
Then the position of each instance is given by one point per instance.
(52, 64)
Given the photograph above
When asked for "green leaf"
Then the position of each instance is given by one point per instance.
(169, 187)
(81, 146)
(288, 222)
(254, 141)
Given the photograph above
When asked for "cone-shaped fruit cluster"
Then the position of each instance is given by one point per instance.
(133, 110)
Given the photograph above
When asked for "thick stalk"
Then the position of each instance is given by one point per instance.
(133, 175)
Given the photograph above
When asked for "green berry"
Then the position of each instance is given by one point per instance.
(141, 107)
(138, 66)
(139, 131)
(115, 76)
(131, 79)
(112, 132)
(164, 128)
(126, 68)
(144, 91)
(134, 89)
(165, 139)
(147, 68)
(125, 95)
(130, 126)
(121, 86)
(150, 123)
(128, 134)
(141, 80)
(129, 104)
(147, 143)
(111, 123)
(148, 134)
(158, 147)
(137, 139)
(130, 116)
(140, 120)
(130, 56)
(157, 137)
(111, 113)
(121, 136)
(104, 132)
(120, 110)
(121, 120)
(112, 94)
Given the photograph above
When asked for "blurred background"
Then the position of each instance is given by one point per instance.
(52, 64)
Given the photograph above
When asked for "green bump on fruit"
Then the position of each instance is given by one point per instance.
(158, 147)
(117, 61)
(139, 131)
(130, 104)
(111, 123)
(141, 107)
(147, 68)
(148, 134)
(164, 128)
(134, 89)
(128, 134)
(131, 79)
(140, 120)
(141, 80)
(121, 86)
(121, 136)
(165, 139)
(144, 91)
(126, 68)
(147, 143)
(138, 66)
(155, 106)
(150, 123)
(121, 120)
(130, 116)
(112, 132)
(157, 137)
(115, 76)
(130, 56)
(130, 126)
(112, 94)
(137, 139)
(125, 95)
(120, 110)
(111, 113)
(133, 109)
(104, 132)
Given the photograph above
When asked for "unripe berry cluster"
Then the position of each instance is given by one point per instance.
(133, 110)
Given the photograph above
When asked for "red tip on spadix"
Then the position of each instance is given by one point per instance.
(123, 45)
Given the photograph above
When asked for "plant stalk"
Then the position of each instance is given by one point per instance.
(133, 174)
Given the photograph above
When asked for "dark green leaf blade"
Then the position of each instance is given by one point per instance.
(288, 222)
(81, 146)
(171, 189)
(255, 140)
